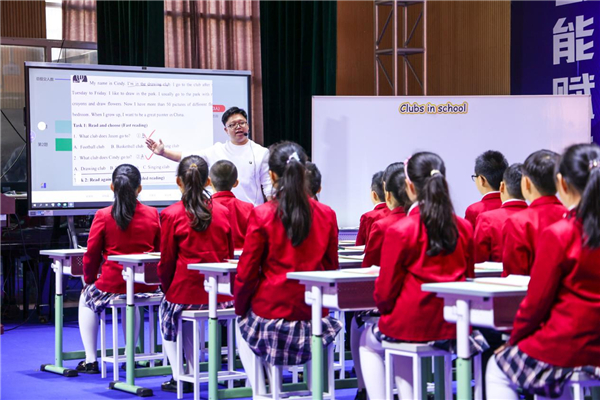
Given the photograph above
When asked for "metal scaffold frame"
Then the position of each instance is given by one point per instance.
(404, 51)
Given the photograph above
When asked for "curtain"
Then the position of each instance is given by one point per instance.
(298, 42)
(131, 33)
(79, 20)
(217, 34)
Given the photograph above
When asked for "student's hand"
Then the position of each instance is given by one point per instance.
(157, 148)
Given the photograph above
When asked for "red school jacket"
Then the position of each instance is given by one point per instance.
(181, 245)
(488, 233)
(489, 201)
(239, 212)
(368, 219)
(408, 313)
(107, 239)
(522, 230)
(558, 322)
(375, 241)
(261, 283)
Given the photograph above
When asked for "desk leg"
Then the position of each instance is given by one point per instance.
(317, 343)
(130, 345)
(57, 367)
(214, 351)
(463, 362)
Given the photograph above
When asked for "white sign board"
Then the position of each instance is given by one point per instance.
(354, 137)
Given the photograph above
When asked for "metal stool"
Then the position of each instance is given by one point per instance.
(198, 318)
(120, 304)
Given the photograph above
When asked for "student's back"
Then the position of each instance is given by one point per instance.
(521, 231)
(408, 313)
(488, 232)
(239, 213)
(397, 201)
(182, 245)
(107, 239)
(267, 243)
(573, 325)
(379, 210)
(223, 178)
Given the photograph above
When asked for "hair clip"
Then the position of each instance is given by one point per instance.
(434, 172)
(193, 165)
(293, 156)
(594, 164)
(406, 169)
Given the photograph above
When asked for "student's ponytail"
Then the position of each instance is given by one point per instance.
(287, 160)
(193, 173)
(126, 180)
(427, 172)
(580, 167)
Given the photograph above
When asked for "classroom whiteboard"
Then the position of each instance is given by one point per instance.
(85, 120)
(354, 137)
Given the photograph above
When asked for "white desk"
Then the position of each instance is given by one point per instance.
(65, 262)
(477, 304)
(137, 268)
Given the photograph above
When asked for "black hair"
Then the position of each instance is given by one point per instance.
(287, 160)
(126, 180)
(389, 170)
(580, 167)
(539, 167)
(223, 175)
(377, 185)
(428, 173)
(193, 173)
(395, 184)
(313, 179)
(232, 111)
(491, 166)
(512, 181)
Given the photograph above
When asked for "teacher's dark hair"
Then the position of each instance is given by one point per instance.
(287, 160)
(428, 173)
(580, 167)
(233, 111)
(126, 180)
(193, 173)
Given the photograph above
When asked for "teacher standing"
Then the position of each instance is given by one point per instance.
(250, 158)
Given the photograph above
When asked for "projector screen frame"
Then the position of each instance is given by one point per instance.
(44, 212)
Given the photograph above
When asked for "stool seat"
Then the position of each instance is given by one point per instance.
(418, 348)
(203, 314)
(139, 301)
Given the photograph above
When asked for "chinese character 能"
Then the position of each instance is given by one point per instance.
(569, 40)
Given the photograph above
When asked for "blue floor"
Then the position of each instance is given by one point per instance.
(23, 351)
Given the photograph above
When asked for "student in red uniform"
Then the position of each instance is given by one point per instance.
(431, 244)
(291, 233)
(488, 233)
(224, 177)
(489, 168)
(557, 327)
(397, 201)
(126, 227)
(522, 230)
(379, 211)
(313, 180)
(194, 230)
